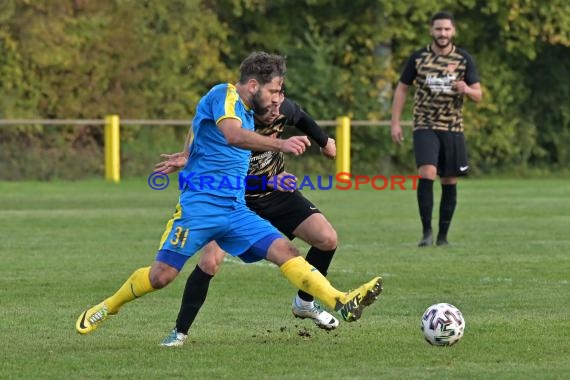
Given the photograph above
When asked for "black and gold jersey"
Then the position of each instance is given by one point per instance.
(436, 103)
(269, 164)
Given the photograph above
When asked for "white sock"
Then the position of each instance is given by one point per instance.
(302, 303)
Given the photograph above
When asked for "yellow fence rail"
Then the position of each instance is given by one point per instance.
(112, 149)
(112, 136)
(343, 144)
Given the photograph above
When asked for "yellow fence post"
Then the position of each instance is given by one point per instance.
(343, 144)
(112, 149)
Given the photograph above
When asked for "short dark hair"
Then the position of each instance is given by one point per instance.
(262, 67)
(443, 16)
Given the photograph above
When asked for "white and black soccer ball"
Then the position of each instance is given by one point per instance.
(442, 324)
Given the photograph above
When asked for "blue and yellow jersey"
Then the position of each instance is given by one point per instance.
(214, 167)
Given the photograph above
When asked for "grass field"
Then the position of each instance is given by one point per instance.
(66, 245)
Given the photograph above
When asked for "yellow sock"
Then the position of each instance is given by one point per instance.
(136, 286)
(305, 277)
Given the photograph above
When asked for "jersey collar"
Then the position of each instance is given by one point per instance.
(450, 52)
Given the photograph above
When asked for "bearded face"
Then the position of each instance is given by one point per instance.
(266, 95)
(258, 105)
(271, 113)
(442, 33)
(442, 42)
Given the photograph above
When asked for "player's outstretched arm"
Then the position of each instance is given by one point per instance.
(329, 150)
(305, 123)
(237, 136)
(312, 129)
(295, 145)
(175, 161)
(171, 162)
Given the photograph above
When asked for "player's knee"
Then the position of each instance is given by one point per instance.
(281, 250)
(285, 248)
(428, 172)
(211, 260)
(209, 265)
(328, 240)
(160, 278)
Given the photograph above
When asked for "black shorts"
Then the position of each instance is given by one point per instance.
(285, 210)
(444, 149)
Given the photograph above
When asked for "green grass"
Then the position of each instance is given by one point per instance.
(66, 245)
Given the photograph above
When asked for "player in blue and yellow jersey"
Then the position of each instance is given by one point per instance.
(288, 210)
(443, 74)
(211, 207)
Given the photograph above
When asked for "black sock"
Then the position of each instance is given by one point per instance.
(446, 208)
(321, 260)
(194, 296)
(425, 203)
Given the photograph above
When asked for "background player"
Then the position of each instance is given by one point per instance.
(443, 75)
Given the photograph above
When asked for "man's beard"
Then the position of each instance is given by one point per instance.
(439, 45)
(256, 104)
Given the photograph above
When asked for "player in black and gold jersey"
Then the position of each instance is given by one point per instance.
(443, 75)
(269, 194)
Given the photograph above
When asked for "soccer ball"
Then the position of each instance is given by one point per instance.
(442, 324)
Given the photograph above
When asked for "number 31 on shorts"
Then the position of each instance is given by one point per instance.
(180, 236)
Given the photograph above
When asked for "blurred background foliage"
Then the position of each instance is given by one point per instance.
(144, 59)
